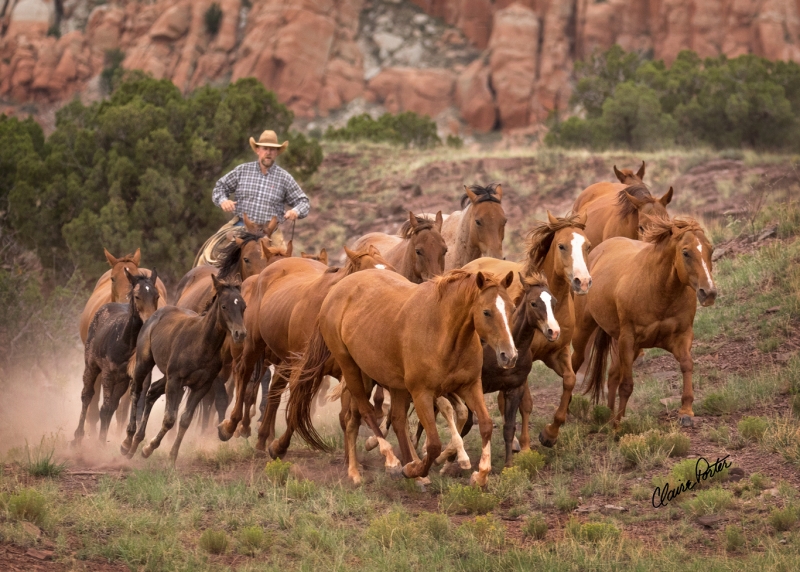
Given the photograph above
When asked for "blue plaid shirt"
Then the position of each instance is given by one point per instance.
(261, 196)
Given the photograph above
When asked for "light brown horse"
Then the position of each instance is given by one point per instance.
(113, 286)
(559, 249)
(592, 192)
(476, 230)
(645, 295)
(418, 252)
(280, 318)
(416, 340)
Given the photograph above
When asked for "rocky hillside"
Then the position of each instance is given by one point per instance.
(474, 65)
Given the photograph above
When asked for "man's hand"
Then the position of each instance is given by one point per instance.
(291, 214)
(228, 206)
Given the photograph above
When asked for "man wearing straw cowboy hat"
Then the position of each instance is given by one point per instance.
(262, 188)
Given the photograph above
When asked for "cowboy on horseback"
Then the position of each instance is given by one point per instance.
(262, 188)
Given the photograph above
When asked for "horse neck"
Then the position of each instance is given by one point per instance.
(661, 278)
(521, 329)
(453, 309)
(405, 256)
(466, 250)
(560, 288)
(132, 325)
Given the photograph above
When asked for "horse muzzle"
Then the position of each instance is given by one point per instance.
(238, 335)
(507, 360)
(551, 334)
(580, 286)
(706, 297)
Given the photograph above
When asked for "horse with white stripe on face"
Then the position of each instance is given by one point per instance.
(645, 295)
(559, 249)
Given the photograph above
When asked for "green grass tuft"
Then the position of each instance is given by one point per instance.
(462, 499)
(753, 428)
(531, 462)
(734, 538)
(601, 414)
(511, 485)
(253, 540)
(214, 541)
(28, 504)
(580, 406)
(39, 461)
(710, 501)
(535, 527)
(277, 471)
(783, 519)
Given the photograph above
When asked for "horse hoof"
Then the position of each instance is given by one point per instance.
(147, 450)
(223, 434)
(546, 441)
(478, 480)
(396, 473)
(370, 443)
(687, 421)
(515, 446)
(243, 432)
(275, 450)
(124, 449)
(465, 464)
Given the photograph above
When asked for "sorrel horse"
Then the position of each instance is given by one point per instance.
(592, 192)
(418, 252)
(645, 295)
(280, 320)
(187, 348)
(558, 248)
(209, 252)
(109, 345)
(417, 340)
(113, 286)
(476, 230)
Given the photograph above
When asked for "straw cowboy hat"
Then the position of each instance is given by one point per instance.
(269, 139)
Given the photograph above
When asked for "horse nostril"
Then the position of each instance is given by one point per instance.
(589, 284)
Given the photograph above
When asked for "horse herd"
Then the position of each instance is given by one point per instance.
(433, 316)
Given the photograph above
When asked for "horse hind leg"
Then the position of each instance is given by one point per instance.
(512, 402)
(525, 410)
(114, 387)
(272, 394)
(456, 444)
(155, 391)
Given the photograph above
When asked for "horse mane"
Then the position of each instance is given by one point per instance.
(231, 254)
(407, 231)
(487, 193)
(127, 258)
(540, 238)
(660, 229)
(460, 280)
(638, 190)
(535, 279)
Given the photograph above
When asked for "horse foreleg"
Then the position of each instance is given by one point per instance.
(423, 404)
(683, 353)
(242, 371)
(456, 444)
(473, 397)
(174, 391)
(114, 386)
(525, 410)
(196, 396)
(143, 368)
(155, 391)
(511, 404)
(562, 365)
(350, 437)
(613, 380)
(90, 374)
(265, 379)
(122, 409)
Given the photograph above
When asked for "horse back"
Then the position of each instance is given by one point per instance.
(500, 268)
(101, 295)
(392, 248)
(594, 192)
(104, 338)
(604, 220)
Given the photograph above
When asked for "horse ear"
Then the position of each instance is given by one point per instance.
(270, 228)
(304, 255)
(666, 198)
(129, 276)
(238, 240)
(634, 201)
(215, 282)
(350, 254)
(640, 172)
(110, 257)
(249, 225)
(480, 280)
(619, 175)
(289, 249)
(509, 279)
(472, 196)
(551, 219)
(137, 256)
(412, 219)
(154, 276)
(265, 246)
(498, 191)
(323, 256)
(373, 251)
(582, 217)
(437, 223)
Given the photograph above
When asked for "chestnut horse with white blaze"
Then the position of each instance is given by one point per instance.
(417, 340)
(559, 249)
(645, 295)
(477, 230)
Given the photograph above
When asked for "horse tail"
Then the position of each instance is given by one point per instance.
(335, 394)
(305, 379)
(596, 367)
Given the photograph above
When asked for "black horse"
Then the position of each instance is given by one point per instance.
(110, 344)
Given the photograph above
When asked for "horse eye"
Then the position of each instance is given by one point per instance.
(562, 247)
(478, 223)
(419, 252)
(224, 306)
(247, 260)
(686, 253)
(487, 313)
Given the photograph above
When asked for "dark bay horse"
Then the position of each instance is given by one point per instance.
(280, 319)
(113, 286)
(476, 230)
(419, 341)
(418, 252)
(559, 249)
(645, 295)
(187, 347)
(110, 342)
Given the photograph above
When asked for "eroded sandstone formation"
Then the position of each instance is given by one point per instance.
(500, 63)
